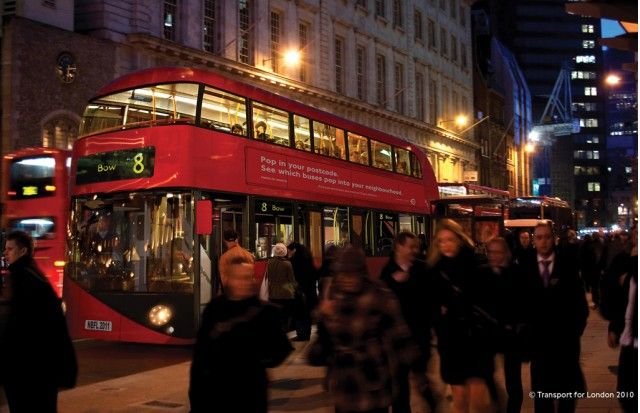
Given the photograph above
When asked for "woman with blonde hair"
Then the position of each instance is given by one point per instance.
(462, 326)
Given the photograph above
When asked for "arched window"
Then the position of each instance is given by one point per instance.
(59, 132)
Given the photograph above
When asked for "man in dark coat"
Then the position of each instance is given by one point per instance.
(37, 356)
(407, 277)
(239, 337)
(558, 322)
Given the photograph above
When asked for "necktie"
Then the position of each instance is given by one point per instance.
(545, 272)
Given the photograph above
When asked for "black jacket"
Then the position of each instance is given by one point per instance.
(36, 346)
(236, 342)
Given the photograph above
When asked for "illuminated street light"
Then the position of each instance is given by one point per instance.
(612, 79)
(529, 148)
(290, 58)
(460, 121)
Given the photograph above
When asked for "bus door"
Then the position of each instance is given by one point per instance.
(273, 224)
(308, 228)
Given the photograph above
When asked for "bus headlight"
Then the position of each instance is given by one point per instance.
(160, 315)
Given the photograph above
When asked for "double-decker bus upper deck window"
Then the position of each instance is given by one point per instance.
(416, 169)
(403, 161)
(328, 140)
(270, 124)
(160, 104)
(32, 178)
(358, 149)
(302, 133)
(224, 111)
(381, 155)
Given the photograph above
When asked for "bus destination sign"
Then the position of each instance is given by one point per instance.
(116, 165)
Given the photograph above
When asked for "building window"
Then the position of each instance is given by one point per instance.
(589, 123)
(245, 25)
(397, 14)
(463, 56)
(590, 91)
(454, 49)
(274, 46)
(170, 12)
(582, 154)
(339, 64)
(433, 101)
(593, 186)
(446, 102)
(444, 51)
(453, 9)
(303, 34)
(380, 8)
(60, 133)
(209, 25)
(580, 74)
(417, 25)
(585, 59)
(420, 96)
(431, 29)
(443, 5)
(362, 3)
(587, 28)
(399, 87)
(381, 86)
(454, 102)
(588, 44)
(463, 17)
(361, 72)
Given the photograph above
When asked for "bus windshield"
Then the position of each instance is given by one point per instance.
(32, 177)
(159, 104)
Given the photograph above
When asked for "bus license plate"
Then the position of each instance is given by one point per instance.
(97, 325)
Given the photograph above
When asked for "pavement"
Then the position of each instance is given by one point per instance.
(297, 387)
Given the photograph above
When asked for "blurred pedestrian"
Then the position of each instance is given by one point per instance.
(621, 297)
(407, 277)
(233, 250)
(324, 272)
(369, 340)
(306, 298)
(239, 337)
(510, 305)
(36, 353)
(593, 261)
(464, 328)
(282, 284)
(523, 246)
(558, 322)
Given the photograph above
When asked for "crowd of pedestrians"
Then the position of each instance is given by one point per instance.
(517, 304)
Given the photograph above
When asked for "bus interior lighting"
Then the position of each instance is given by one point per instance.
(45, 161)
(50, 188)
(59, 263)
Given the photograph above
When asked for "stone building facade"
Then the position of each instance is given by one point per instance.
(403, 67)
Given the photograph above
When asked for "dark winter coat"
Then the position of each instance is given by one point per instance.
(236, 342)
(35, 350)
(559, 320)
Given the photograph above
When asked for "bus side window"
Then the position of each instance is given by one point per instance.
(223, 111)
(328, 140)
(270, 124)
(402, 161)
(302, 133)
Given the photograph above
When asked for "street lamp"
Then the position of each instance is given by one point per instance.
(291, 57)
(460, 121)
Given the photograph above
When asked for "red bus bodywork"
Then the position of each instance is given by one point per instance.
(40, 206)
(192, 157)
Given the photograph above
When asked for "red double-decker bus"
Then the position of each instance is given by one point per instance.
(170, 158)
(37, 201)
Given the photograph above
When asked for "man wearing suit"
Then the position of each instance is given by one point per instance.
(558, 322)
